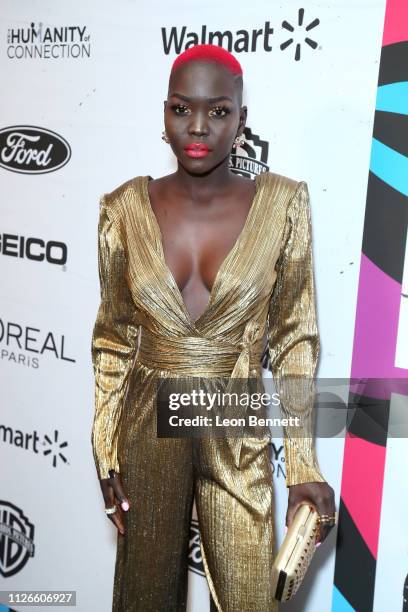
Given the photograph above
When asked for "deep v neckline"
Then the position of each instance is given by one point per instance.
(169, 274)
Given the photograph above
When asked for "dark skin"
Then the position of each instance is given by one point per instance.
(201, 209)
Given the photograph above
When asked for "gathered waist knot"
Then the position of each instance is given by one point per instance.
(200, 356)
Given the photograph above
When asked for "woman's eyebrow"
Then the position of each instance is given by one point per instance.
(211, 100)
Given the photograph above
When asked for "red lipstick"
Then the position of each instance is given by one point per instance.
(196, 149)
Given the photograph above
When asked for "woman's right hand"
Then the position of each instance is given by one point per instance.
(113, 494)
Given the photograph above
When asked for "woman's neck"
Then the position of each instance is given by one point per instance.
(204, 187)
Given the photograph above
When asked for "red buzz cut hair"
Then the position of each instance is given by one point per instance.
(209, 53)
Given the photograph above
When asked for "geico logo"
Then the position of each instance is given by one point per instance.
(35, 249)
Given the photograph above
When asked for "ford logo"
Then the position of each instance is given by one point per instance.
(32, 150)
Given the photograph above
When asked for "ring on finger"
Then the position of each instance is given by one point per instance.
(328, 516)
(327, 523)
(111, 510)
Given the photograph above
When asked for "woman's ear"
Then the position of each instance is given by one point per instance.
(243, 113)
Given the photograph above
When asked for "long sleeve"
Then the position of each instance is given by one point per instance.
(114, 343)
(293, 340)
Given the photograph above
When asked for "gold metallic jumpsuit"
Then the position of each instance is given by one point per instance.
(143, 330)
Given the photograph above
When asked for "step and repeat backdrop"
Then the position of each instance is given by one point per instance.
(81, 111)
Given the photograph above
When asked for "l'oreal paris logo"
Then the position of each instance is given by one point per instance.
(32, 150)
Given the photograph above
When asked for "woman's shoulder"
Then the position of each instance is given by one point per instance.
(276, 181)
(281, 191)
(121, 197)
(123, 190)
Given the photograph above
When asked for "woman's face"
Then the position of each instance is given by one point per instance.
(202, 115)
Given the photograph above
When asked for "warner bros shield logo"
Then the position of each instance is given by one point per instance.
(16, 539)
(250, 158)
(195, 560)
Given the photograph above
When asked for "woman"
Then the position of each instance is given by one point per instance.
(194, 267)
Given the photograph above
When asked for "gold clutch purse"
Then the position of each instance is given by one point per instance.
(296, 553)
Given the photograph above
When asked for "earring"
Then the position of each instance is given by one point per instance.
(238, 142)
(165, 137)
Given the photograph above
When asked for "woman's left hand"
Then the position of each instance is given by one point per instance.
(320, 495)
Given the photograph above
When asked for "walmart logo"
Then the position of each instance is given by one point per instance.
(300, 34)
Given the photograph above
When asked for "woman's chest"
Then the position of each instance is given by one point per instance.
(208, 266)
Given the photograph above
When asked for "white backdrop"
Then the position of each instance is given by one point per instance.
(316, 116)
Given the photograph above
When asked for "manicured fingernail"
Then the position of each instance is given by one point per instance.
(286, 529)
(318, 544)
(125, 505)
